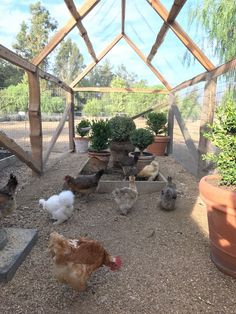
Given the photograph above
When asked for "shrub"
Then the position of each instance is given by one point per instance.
(83, 124)
(100, 135)
(141, 138)
(156, 122)
(120, 128)
(222, 134)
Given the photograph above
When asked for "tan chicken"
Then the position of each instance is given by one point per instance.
(75, 260)
(126, 197)
(84, 184)
(150, 172)
(7, 197)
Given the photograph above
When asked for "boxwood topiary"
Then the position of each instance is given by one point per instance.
(100, 135)
(83, 124)
(121, 127)
(141, 138)
(156, 122)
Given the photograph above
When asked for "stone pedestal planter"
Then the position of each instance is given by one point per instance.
(81, 144)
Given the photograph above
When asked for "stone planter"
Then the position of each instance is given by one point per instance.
(81, 144)
(221, 214)
(158, 148)
(118, 151)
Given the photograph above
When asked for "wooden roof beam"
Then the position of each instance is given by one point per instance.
(120, 90)
(83, 33)
(151, 67)
(123, 17)
(181, 34)
(99, 58)
(158, 42)
(175, 9)
(60, 35)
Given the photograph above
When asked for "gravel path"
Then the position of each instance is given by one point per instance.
(166, 269)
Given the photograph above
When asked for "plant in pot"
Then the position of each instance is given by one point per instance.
(157, 122)
(141, 138)
(120, 145)
(81, 142)
(219, 191)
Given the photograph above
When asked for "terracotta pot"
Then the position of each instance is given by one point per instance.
(143, 160)
(81, 144)
(118, 151)
(158, 148)
(221, 214)
(98, 160)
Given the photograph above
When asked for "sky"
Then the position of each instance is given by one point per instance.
(103, 23)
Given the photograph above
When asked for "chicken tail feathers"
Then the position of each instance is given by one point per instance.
(99, 174)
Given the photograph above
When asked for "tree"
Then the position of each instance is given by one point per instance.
(129, 78)
(219, 20)
(9, 74)
(33, 38)
(101, 75)
(68, 61)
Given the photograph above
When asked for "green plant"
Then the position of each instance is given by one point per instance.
(156, 122)
(141, 138)
(222, 134)
(120, 128)
(83, 124)
(100, 135)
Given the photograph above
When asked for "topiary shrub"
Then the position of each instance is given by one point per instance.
(83, 124)
(100, 135)
(141, 138)
(222, 134)
(156, 122)
(121, 127)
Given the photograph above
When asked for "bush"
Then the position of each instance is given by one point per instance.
(222, 134)
(156, 122)
(83, 124)
(100, 135)
(120, 128)
(141, 138)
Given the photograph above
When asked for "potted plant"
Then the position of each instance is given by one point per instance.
(99, 141)
(157, 122)
(141, 138)
(120, 129)
(81, 142)
(219, 191)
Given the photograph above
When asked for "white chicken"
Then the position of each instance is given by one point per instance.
(150, 171)
(60, 207)
(126, 197)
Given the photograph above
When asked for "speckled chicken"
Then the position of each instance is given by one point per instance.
(128, 165)
(7, 197)
(75, 260)
(168, 195)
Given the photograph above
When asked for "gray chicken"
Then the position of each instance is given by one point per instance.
(7, 196)
(168, 196)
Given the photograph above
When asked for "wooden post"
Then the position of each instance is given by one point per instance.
(70, 101)
(35, 120)
(207, 117)
(172, 101)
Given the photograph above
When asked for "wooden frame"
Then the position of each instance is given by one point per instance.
(123, 16)
(120, 90)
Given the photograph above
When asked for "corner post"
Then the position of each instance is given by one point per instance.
(70, 101)
(171, 123)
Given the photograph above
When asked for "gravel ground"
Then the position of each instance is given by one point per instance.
(166, 268)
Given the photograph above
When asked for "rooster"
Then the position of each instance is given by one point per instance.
(168, 195)
(75, 260)
(7, 196)
(126, 197)
(84, 184)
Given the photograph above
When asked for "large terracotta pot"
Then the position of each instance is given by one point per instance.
(98, 160)
(158, 148)
(221, 213)
(118, 151)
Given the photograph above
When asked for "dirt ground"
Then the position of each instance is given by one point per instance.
(166, 263)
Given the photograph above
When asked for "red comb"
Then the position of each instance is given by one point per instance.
(118, 261)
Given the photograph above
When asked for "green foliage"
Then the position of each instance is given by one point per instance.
(141, 138)
(96, 107)
(9, 74)
(83, 124)
(222, 134)
(100, 135)
(121, 127)
(218, 19)
(190, 107)
(156, 122)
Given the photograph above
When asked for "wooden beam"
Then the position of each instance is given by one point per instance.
(92, 65)
(56, 133)
(123, 17)
(182, 35)
(159, 40)
(13, 147)
(172, 102)
(35, 122)
(120, 90)
(187, 137)
(60, 35)
(83, 33)
(54, 79)
(151, 67)
(70, 102)
(157, 106)
(175, 9)
(220, 70)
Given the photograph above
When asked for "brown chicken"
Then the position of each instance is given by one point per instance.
(75, 260)
(7, 196)
(85, 184)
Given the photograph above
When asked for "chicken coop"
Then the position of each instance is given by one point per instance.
(187, 143)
